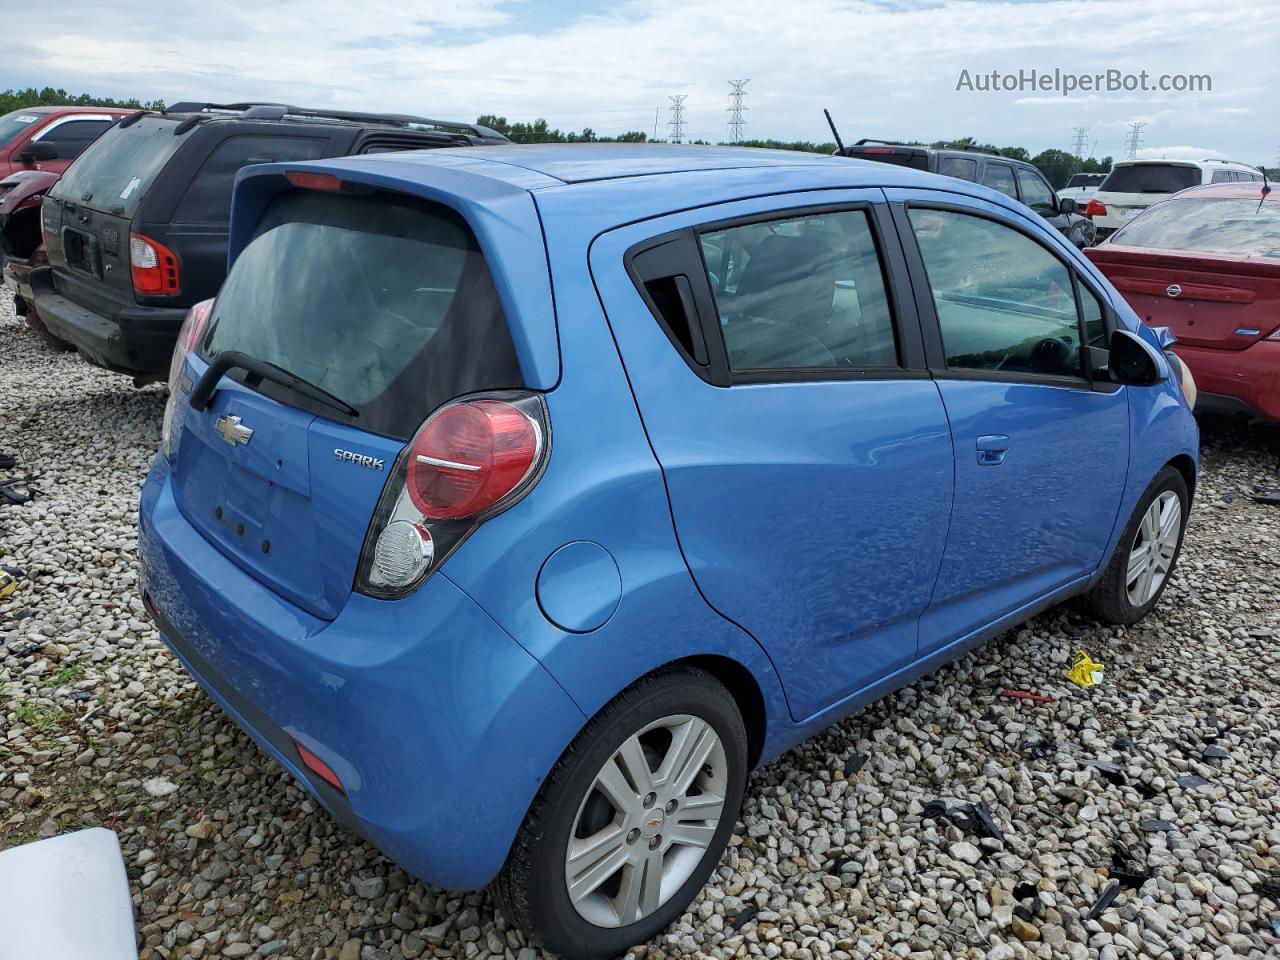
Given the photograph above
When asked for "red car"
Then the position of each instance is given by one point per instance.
(49, 138)
(1206, 264)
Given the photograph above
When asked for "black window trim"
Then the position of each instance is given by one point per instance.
(932, 330)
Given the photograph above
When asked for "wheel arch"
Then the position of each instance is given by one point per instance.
(745, 690)
(1187, 467)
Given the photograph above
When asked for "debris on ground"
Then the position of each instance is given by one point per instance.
(1025, 695)
(1085, 671)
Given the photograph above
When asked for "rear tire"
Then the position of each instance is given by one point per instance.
(590, 875)
(1147, 554)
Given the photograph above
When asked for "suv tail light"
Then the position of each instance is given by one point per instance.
(188, 337)
(154, 267)
(1095, 209)
(472, 459)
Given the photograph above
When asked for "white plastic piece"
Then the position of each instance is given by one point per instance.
(66, 897)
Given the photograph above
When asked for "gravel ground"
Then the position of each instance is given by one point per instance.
(1167, 768)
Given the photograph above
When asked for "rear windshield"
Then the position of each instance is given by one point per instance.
(385, 303)
(1150, 178)
(12, 125)
(915, 159)
(1242, 228)
(115, 172)
(1085, 180)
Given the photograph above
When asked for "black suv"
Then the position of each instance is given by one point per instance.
(1014, 178)
(137, 226)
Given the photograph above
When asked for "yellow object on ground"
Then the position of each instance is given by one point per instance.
(1085, 671)
(8, 584)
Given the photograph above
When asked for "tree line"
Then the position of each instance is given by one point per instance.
(1057, 165)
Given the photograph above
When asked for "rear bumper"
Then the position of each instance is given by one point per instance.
(17, 278)
(1237, 381)
(133, 340)
(439, 725)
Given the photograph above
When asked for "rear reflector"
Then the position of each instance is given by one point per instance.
(315, 181)
(319, 767)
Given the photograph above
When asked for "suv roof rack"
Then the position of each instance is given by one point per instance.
(267, 110)
(888, 143)
(972, 148)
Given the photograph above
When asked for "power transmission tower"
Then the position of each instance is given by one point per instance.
(677, 118)
(1080, 142)
(1135, 138)
(736, 120)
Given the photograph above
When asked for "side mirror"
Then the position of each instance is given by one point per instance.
(38, 152)
(1133, 361)
(1066, 205)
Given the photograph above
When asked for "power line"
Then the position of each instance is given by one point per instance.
(736, 120)
(1135, 138)
(1080, 142)
(677, 117)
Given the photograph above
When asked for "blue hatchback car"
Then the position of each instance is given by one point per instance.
(520, 502)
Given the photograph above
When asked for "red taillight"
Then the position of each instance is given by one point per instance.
(1094, 209)
(314, 181)
(469, 456)
(878, 150)
(319, 767)
(189, 335)
(154, 266)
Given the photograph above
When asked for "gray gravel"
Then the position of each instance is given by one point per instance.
(99, 726)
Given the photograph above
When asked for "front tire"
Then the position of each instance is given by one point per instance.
(631, 820)
(1146, 555)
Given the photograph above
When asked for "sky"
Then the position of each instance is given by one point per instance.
(887, 69)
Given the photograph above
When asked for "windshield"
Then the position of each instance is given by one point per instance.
(1242, 228)
(1085, 180)
(1150, 178)
(115, 172)
(386, 304)
(12, 125)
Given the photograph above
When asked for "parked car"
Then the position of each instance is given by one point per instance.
(1206, 264)
(49, 138)
(1014, 178)
(1134, 185)
(1081, 188)
(36, 146)
(520, 501)
(137, 229)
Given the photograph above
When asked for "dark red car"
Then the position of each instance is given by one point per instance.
(36, 145)
(1206, 264)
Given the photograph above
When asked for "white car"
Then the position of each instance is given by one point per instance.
(1134, 185)
(1081, 188)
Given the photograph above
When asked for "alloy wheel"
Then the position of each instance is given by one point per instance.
(1154, 545)
(646, 821)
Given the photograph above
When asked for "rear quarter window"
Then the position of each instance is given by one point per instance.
(116, 171)
(386, 303)
(208, 198)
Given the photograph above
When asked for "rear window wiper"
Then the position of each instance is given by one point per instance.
(262, 370)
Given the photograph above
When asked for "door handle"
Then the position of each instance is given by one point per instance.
(992, 449)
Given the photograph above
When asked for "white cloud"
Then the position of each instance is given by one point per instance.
(887, 71)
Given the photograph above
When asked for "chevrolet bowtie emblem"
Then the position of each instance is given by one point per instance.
(232, 431)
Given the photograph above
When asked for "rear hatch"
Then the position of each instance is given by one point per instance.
(386, 307)
(90, 211)
(1207, 268)
(1131, 188)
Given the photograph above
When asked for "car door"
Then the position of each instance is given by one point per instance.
(776, 360)
(1041, 448)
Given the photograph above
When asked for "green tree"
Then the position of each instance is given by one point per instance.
(11, 100)
(1057, 166)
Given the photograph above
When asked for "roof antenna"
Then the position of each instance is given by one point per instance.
(834, 132)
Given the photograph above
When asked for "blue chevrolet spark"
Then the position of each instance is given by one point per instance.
(521, 501)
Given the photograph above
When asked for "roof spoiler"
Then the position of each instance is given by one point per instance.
(267, 110)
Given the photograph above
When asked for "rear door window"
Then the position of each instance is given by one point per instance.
(208, 199)
(115, 172)
(71, 138)
(804, 292)
(999, 176)
(1150, 178)
(965, 168)
(387, 304)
